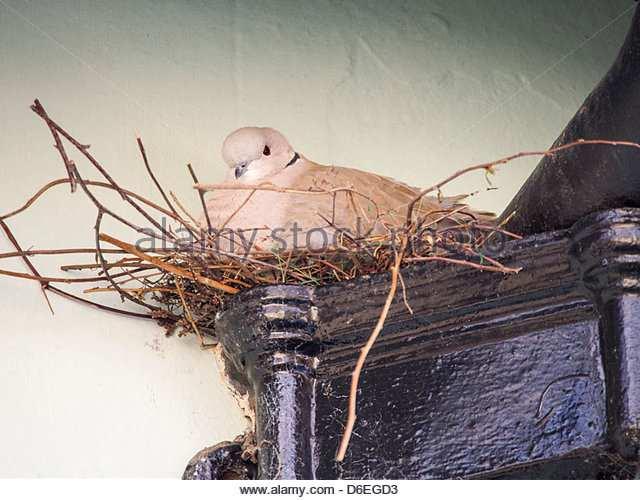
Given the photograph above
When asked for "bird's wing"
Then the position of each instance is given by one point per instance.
(360, 202)
(371, 193)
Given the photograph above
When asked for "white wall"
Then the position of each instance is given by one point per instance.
(409, 89)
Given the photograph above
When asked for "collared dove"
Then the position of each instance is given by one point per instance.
(278, 216)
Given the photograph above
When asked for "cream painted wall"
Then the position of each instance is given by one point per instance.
(410, 89)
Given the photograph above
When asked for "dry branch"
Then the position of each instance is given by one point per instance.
(355, 377)
(490, 166)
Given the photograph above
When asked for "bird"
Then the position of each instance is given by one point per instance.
(275, 199)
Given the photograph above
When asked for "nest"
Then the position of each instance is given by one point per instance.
(183, 286)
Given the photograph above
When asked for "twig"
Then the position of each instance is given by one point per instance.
(105, 267)
(355, 377)
(69, 164)
(136, 278)
(152, 175)
(57, 129)
(187, 311)
(159, 186)
(100, 184)
(489, 166)
(498, 229)
(59, 251)
(502, 269)
(25, 259)
(81, 267)
(404, 294)
(102, 307)
(170, 268)
(140, 290)
(49, 279)
(202, 200)
(235, 212)
(266, 186)
(184, 210)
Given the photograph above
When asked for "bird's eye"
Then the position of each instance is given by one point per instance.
(266, 151)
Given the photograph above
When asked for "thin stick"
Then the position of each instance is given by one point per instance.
(69, 164)
(101, 184)
(355, 377)
(102, 307)
(235, 212)
(152, 175)
(489, 166)
(25, 259)
(140, 290)
(137, 278)
(170, 268)
(184, 210)
(502, 269)
(159, 186)
(48, 279)
(59, 251)
(498, 229)
(267, 186)
(187, 311)
(202, 200)
(57, 129)
(81, 267)
(105, 269)
(404, 294)
(35, 197)
(205, 188)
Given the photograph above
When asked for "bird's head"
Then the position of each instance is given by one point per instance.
(254, 154)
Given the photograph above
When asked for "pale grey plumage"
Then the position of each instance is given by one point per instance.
(358, 201)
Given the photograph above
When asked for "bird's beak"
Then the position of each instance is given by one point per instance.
(240, 169)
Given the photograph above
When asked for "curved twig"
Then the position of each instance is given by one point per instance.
(105, 268)
(58, 182)
(355, 377)
(489, 166)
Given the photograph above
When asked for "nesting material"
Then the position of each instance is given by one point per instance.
(184, 284)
